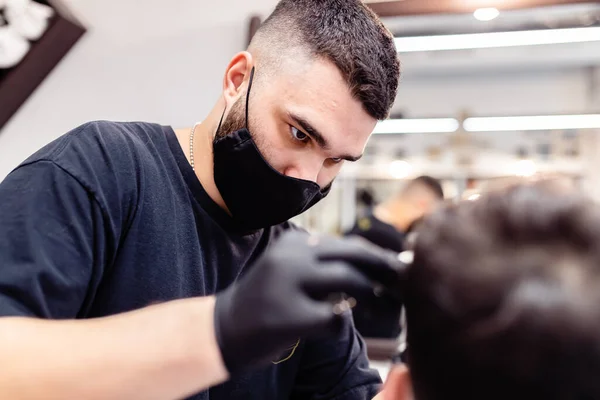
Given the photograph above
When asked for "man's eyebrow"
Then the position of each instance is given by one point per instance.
(311, 131)
(317, 136)
(351, 158)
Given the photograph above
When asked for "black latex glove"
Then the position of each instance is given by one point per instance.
(385, 267)
(377, 314)
(282, 298)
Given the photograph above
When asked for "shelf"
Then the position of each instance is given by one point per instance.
(18, 83)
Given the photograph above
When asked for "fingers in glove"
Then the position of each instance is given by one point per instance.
(378, 264)
(331, 320)
(334, 277)
(293, 237)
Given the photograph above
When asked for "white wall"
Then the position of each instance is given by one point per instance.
(507, 93)
(153, 60)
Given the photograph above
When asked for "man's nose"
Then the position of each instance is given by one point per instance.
(307, 174)
(308, 170)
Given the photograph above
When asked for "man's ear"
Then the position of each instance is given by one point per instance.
(397, 385)
(237, 76)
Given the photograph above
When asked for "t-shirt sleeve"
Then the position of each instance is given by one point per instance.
(51, 241)
(336, 369)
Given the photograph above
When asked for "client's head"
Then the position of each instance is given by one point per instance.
(503, 300)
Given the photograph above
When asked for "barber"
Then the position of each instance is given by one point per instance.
(141, 262)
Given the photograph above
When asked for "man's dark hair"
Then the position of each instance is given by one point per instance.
(347, 33)
(430, 183)
(503, 299)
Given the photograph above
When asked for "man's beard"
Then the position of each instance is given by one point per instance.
(235, 120)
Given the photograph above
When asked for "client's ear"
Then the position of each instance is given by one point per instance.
(397, 385)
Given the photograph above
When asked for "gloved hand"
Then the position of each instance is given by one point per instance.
(377, 314)
(284, 297)
(385, 267)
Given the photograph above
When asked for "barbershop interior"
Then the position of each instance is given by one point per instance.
(488, 150)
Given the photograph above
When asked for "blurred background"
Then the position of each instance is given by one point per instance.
(492, 91)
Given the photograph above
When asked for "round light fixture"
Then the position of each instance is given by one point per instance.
(486, 14)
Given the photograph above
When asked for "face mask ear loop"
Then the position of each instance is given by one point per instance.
(248, 94)
(247, 99)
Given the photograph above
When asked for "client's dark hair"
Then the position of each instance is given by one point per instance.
(503, 299)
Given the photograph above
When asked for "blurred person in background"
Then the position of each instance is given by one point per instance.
(113, 217)
(387, 226)
(503, 300)
(365, 201)
(388, 223)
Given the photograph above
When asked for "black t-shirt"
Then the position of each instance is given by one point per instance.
(377, 317)
(110, 218)
(378, 232)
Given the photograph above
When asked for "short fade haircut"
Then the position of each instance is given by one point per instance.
(429, 183)
(503, 298)
(345, 32)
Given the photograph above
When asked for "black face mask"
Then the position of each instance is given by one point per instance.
(257, 195)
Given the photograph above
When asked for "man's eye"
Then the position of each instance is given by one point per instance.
(336, 160)
(299, 135)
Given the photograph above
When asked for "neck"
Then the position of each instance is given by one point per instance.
(203, 152)
(392, 213)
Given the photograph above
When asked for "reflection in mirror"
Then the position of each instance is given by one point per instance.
(486, 98)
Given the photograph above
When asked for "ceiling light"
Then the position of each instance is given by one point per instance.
(431, 125)
(532, 123)
(399, 169)
(496, 39)
(486, 14)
